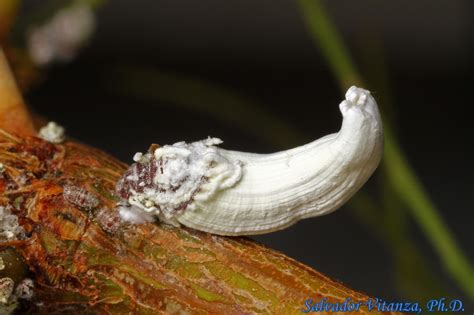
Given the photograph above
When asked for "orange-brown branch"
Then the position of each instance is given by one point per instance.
(84, 259)
(14, 116)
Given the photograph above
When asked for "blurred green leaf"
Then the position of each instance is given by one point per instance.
(409, 189)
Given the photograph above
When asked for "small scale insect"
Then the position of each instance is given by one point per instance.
(9, 227)
(80, 197)
(25, 289)
(236, 193)
(108, 220)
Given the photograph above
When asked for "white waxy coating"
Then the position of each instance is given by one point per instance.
(276, 190)
(133, 214)
(175, 177)
(9, 228)
(52, 132)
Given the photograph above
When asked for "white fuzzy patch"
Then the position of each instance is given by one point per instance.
(9, 228)
(138, 156)
(52, 132)
(25, 289)
(9, 297)
(6, 290)
(134, 214)
(187, 172)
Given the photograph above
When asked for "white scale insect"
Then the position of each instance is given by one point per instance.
(235, 193)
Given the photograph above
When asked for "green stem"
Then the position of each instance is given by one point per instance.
(423, 210)
(400, 174)
(330, 44)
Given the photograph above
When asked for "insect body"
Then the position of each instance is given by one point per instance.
(227, 192)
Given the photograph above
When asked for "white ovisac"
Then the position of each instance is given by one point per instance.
(235, 193)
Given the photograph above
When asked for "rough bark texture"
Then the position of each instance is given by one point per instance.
(84, 259)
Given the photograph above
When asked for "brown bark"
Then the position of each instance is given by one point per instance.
(82, 257)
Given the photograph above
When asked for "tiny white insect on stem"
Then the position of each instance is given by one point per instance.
(52, 132)
(235, 193)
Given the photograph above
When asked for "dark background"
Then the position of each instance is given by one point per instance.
(262, 50)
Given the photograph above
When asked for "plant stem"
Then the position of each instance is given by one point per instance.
(14, 116)
(324, 33)
(408, 187)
